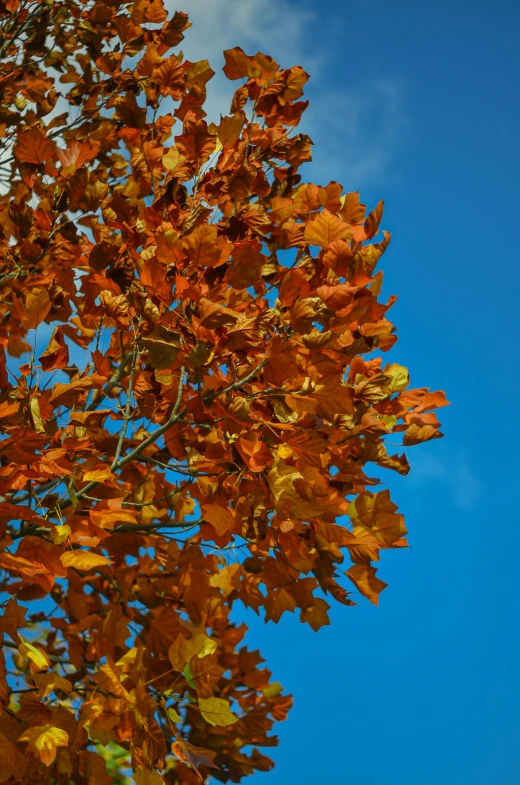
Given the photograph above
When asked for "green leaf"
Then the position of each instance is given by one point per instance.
(174, 715)
(188, 675)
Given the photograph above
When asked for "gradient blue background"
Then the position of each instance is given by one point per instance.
(424, 689)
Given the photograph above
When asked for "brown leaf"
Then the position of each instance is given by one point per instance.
(56, 355)
(33, 147)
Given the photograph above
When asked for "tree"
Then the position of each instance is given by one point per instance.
(192, 383)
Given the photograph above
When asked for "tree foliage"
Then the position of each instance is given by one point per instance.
(192, 384)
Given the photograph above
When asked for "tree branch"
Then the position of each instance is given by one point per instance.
(176, 415)
(152, 527)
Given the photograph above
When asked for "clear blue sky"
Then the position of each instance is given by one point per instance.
(425, 689)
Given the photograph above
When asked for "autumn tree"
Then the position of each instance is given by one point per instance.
(192, 383)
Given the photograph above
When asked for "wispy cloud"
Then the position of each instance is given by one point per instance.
(270, 26)
(457, 474)
(221, 24)
(356, 130)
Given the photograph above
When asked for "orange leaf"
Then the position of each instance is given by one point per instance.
(37, 306)
(230, 129)
(223, 520)
(373, 220)
(255, 452)
(172, 78)
(277, 602)
(201, 246)
(83, 560)
(196, 143)
(239, 65)
(364, 577)
(33, 147)
(325, 229)
(432, 400)
(77, 154)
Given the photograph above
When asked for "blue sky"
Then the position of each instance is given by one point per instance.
(416, 103)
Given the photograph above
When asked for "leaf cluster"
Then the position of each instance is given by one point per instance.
(192, 385)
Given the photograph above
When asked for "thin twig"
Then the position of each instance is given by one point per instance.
(159, 432)
(113, 381)
(176, 415)
(153, 527)
(127, 409)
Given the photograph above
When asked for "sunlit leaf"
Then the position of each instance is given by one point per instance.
(44, 740)
(83, 560)
(217, 711)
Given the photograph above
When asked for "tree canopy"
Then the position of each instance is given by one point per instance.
(192, 383)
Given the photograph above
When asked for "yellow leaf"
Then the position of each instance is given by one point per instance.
(281, 480)
(47, 682)
(182, 650)
(217, 711)
(44, 740)
(36, 416)
(60, 534)
(98, 475)
(36, 656)
(272, 690)
(147, 777)
(415, 434)
(128, 659)
(375, 513)
(83, 560)
(174, 716)
(400, 377)
(227, 579)
(185, 506)
(201, 645)
(171, 159)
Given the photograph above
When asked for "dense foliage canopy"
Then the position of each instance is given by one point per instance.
(192, 384)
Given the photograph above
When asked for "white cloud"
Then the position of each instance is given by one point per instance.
(355, 130)
(270, 26)
(265, 24)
